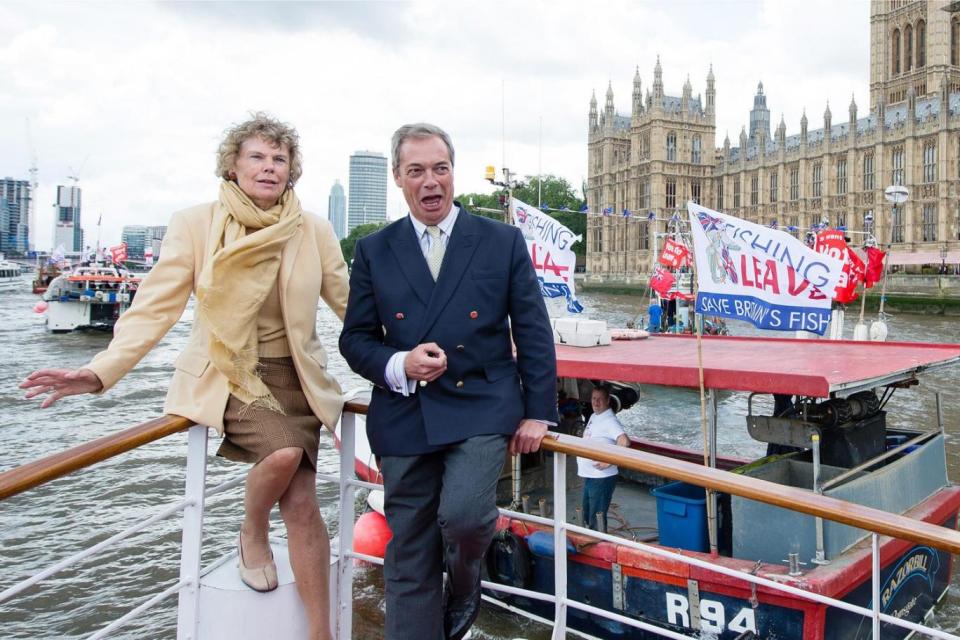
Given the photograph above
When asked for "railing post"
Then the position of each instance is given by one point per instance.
(875, 584)
(344, 611)
(188, 610)
(560, 545)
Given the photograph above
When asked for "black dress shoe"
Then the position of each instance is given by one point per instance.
(461, 612)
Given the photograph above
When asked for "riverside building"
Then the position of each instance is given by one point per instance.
(337, 210)
(16, 197)
(368, 189)
(664, 154)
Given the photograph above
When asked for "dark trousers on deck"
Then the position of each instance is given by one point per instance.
(441, 508)
(597, 493)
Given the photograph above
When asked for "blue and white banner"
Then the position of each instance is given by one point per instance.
(765, 276)
(550, 245)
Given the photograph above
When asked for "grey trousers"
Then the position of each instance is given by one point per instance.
(441, 508)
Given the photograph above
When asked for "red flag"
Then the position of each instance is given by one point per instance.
(118, 253)
(832, 243)
(853, 270)
(675, 254)
(874, 269)
(661, 281)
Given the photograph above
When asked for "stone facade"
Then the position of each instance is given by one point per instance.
(664, 154)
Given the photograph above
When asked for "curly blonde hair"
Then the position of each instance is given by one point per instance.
(260, 125)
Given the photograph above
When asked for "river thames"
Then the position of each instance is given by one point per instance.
(47, 524)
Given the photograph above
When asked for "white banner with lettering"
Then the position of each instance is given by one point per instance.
(550, 245)
(765, 276)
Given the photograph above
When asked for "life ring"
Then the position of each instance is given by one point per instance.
(508, 560)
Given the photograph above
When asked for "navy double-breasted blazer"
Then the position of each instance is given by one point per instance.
(486, 288)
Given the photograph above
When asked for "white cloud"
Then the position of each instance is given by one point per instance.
(138, 94)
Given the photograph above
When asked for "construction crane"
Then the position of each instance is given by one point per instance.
(34, 184)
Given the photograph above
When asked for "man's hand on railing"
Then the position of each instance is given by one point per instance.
(60, 383)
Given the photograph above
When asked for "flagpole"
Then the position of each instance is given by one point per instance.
(711, 498)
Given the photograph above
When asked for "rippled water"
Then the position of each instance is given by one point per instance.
(46, 524)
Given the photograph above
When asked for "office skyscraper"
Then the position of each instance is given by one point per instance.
(16, 195)
(337, 210)
(138, 237)
(66, 224)
(368, 189)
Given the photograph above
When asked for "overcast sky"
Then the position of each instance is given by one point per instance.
(133, 97)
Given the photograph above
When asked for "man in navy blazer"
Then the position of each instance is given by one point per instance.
(434, 300)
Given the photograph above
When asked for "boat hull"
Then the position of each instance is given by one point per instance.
(672, 595)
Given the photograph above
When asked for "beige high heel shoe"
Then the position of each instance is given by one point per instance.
(260, 579)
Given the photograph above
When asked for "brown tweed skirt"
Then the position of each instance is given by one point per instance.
(252, 433)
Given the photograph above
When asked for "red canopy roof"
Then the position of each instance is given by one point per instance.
(766, 365)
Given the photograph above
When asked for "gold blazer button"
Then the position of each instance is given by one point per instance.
(459, 384)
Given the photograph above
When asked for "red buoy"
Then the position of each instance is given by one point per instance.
(40, 307)
(371, 534)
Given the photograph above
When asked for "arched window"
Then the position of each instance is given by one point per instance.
(671, 146)
(895, 48)
(695, 153)
(908, 48)
(921, 44)
(955, 41)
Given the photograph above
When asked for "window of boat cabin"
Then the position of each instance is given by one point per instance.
(930, 222)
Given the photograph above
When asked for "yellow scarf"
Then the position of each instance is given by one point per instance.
(239, 272)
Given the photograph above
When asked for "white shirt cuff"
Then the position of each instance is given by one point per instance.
(396, 377)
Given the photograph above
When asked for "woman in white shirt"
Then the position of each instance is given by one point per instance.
(600, 478)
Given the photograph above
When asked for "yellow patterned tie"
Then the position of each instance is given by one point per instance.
(435, 253)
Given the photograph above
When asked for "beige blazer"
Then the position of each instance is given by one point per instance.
(311, 267)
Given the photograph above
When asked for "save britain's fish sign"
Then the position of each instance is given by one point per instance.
(764, 276)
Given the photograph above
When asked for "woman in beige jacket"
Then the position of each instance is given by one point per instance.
(254, 368)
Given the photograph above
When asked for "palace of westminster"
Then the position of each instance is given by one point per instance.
(664, 154)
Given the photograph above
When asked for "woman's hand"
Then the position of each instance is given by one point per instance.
(60, 383)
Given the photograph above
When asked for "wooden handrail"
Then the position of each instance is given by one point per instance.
(32, 474)
(38, 472)
(793, 498)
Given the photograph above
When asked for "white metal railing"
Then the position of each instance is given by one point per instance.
(195, 498)
(187, 586)
(562, 603)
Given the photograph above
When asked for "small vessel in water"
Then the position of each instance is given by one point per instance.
(46, 273)
(90, 296)
(10, 273)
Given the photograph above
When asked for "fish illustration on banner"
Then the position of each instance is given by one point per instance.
(550, 245)
(765, 276)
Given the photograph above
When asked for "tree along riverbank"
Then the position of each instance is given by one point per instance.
(906, 293)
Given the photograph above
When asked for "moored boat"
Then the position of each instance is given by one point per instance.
(10, 275)
(89, 297)
(834, 390)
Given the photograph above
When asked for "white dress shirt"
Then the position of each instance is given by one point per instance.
(395, 375)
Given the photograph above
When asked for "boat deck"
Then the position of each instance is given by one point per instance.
(633, 510)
